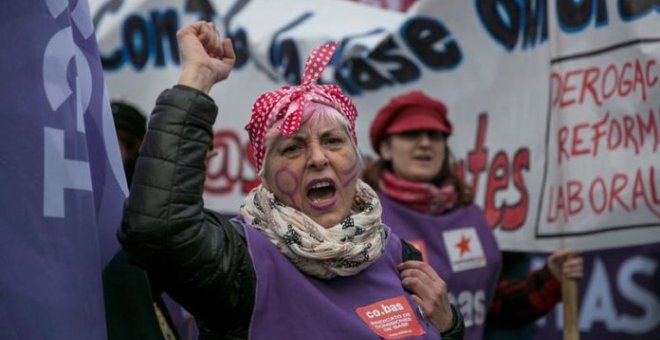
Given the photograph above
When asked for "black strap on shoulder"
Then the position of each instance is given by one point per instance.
(409, 253)
(226, 221)
(239, 228)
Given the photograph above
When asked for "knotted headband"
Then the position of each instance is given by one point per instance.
(287, 103)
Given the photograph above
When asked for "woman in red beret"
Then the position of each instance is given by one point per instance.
(429, 206)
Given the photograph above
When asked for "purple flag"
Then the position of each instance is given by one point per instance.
(618, 298)
(62, 184)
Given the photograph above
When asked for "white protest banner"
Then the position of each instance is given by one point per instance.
(526, 82)
(602, 168)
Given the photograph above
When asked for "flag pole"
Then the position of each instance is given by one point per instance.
(569, 298)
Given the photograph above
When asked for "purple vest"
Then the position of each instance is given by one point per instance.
(292, 305)
(460, 246)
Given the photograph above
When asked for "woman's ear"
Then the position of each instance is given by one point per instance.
(385, 150)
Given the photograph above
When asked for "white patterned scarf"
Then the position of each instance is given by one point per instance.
(344, 249)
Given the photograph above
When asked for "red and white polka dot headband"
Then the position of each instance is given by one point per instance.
(287, 103)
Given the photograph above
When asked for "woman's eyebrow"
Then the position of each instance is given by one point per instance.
(295, 138)
(331, 131)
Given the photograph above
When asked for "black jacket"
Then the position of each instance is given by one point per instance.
(201, 261)
(199, 256)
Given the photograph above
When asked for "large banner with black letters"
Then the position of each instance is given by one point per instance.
(556, 103)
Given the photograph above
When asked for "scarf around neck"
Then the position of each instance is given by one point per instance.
(422, 197)
(344, 249)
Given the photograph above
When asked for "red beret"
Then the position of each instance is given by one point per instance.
(409, 112)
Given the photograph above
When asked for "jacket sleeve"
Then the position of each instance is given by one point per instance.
(520, 302)
(199, 257)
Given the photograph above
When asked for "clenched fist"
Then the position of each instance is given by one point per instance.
(205, 57)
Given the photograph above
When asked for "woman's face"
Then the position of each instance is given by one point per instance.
(314, 170)
(415, 156)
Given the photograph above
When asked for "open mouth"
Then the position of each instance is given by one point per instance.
(423, 158)
(321, 193)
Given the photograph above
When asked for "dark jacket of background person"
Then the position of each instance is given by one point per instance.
(131, 125)
(134, 308)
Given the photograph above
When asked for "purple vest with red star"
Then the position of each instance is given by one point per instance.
(369, 305)
(460, 246)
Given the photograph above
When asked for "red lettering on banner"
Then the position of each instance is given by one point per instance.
(556, 205)
(590, 77)
(570, 198)
(626, 84)
(598, 183)
(651, 129)
(513, 217)
(575, 204)
(567, 89)
(599, 133)
(629, 124)
(478, 158)
(498, 179)
(615, 131)
(649, 66)
(619, 182)
(229, 167)
(632, 132)
(501, 175)
(391, 318)
(577, 86)
(562, 137)
(610, 77)
(577, 141)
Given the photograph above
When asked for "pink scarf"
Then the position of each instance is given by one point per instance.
(423, 197)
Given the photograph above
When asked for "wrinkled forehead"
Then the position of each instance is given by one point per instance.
(318, 127)
(324, 120)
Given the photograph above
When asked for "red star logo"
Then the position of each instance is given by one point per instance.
(464, 245)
